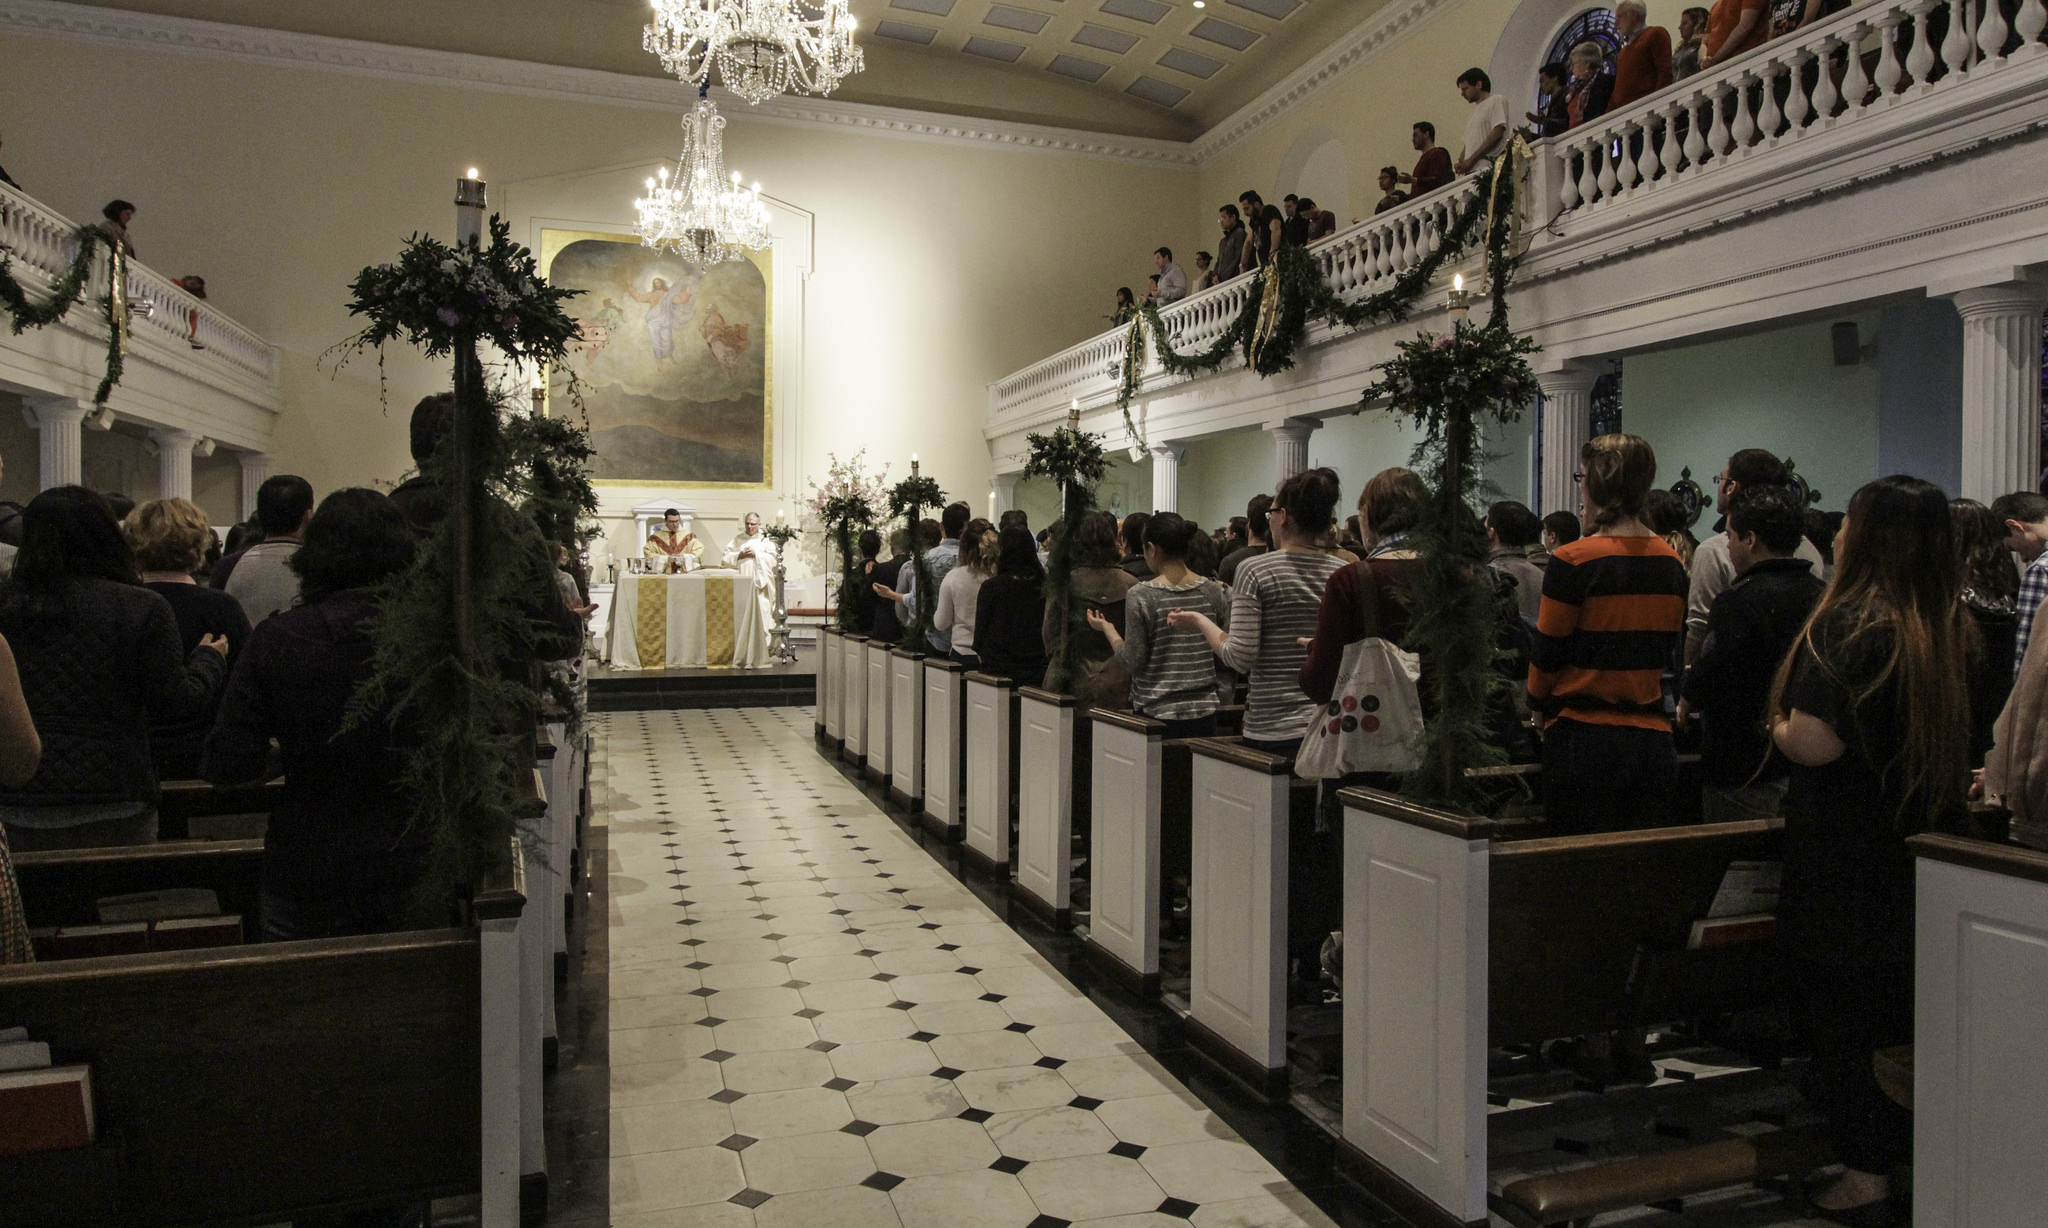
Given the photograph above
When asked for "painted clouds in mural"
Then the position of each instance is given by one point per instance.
(674, 363)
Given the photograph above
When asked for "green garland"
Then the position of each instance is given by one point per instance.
(1072, 459)
(22, 314)
(908, 499)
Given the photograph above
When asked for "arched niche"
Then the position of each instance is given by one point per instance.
(1318, 166)
(1524, 40)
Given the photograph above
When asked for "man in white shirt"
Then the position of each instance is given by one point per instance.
(1487, 127)
(1173, 280)
(263, 580)
(754, 555)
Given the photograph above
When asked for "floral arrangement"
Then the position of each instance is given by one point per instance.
(436, 294)
(1072, 458)
(848, 500)
(782, 532)
(1469, 372)
(912, 495)
(1067, 455)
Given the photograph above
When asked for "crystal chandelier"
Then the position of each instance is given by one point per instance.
(762, 47)
(699, 212)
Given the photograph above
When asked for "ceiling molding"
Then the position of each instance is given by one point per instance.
(1377, 33)
(220, 40)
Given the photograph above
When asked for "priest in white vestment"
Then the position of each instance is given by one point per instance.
(668, 546)
(754, 556)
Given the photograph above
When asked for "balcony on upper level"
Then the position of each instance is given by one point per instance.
(192, 377)
(1891, 151)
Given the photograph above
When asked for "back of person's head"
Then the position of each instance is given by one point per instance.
(282, 503)
(870, 544)
(1699, 17)
(432, 420)
(1425, 128)
(899, 542)
(69, 532)
(168, 535)
(1015, 518)
(1664, 513)
(1392, 502)
(118, 503)
(1204, 556)
(1476, 76)
(1169, 533)
(1775, 514)
(113, 209)
(1619, 470)
(1238, 532)
(1134, 532)
(1757, 467)
(1310, 500)
(1564, 526)
(2022, 505)
(1589, 52)
(1255, 518)
(978, 546)
(243, 535)
(928, 533)
(1981, 544)
(1096, 543)
(1517, 527)
(1821, 528)
(954, 518)
(357, 539)
(1017, 554)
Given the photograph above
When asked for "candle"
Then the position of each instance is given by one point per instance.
(1460, 302)
(778, 515)
(469, 207)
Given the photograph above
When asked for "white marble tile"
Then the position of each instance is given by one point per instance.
(926, 1148)
(765, 1035)
(663, 1179)
(984, 1050)
(778, 1071)
(1157, 1121)
(797, 1162)
(1014, 1087)
(669, 1127)
(706, 1215)
(1211, 1170)
(946, 1018)
(1090, 1187)
(1290, 1209)
(804, 1110)
(963, 1200)
(1049, 1134)
(854, 1027)
(892, 1101)
(875, 1060)
(841, 1207)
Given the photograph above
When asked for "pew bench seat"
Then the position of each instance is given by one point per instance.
(1576, 1196)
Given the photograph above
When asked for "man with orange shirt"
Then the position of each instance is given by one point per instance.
(1643, 64)
(1733, 27)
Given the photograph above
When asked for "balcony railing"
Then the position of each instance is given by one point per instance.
(43, 244)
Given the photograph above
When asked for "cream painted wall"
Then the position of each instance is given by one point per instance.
(937, 266)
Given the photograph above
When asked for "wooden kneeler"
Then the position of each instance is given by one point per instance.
(991, 740)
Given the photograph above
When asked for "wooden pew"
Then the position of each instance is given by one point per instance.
(906, 729)
(187, 808)
(1980, 1047)
(1245, 804)
(259, 1083)
(831, 690)
(1456, 941)
(991, 772)
(854, 673)
(945, 745)
(1050, 757)
(875, 687)
(62, 887)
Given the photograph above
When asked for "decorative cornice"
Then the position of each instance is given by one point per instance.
(1375, 34)
(220, 40)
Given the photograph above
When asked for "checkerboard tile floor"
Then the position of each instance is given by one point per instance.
(813, 1025)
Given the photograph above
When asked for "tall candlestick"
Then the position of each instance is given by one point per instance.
(470, 198)
(1074, 414)
(1460, 299)
(913, 464)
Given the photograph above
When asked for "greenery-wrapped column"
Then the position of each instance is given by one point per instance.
(1074, 460)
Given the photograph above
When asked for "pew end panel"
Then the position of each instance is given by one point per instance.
(854, 671)
(1045, 804)
(1415, 1005)
(878, 736)
(832, 688)
(1980, 1046)
(945, 743)
(905, 772)
(1237, 982)
(1124, 848)
(828, 645)
(991, 772)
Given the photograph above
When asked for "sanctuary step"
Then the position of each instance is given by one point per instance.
(626, 690)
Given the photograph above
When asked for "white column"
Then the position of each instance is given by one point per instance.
(2001, 387)
(57, 422)
(1166, 458)
(1567, 424)
(1004, 487)
(1290, 447)
(255, 471)
(174, 463)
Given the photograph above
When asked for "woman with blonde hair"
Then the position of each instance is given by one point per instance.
(961, 589)
(1872, 707)
(169, 538)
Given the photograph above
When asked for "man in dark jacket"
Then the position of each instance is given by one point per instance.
(1750, 629)
(883, 623)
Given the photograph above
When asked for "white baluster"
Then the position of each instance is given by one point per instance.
(1856, 85)
(1961, 40)
(1920, 57)
(1718, 138)
(1589, 180)
(1991, 31)
(2032, 19)
(1770, 119)
(1656, 129)
(1695, 145)
(1568, 192)
(1889, 70)
(1796, 105)
(1745, 123)
(1627, 173)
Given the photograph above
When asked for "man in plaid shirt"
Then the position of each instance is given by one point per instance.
(2026, 519)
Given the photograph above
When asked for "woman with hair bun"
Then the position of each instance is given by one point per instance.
(1173, 673)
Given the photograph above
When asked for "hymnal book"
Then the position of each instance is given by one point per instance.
(1712, 932)
(1748, 887)
(9, 1035)
(156, 905)
(87, 941)
(190, 933)
(24, 1055)
(45, 1110)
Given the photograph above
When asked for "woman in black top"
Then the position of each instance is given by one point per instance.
(1009, 612)
(1991, 593)
(1873, 710)
(100, 662)
(343, 853)
(169, 538)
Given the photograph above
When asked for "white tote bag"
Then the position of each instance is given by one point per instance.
(1373, 721)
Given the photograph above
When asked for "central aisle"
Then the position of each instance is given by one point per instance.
(813, 1024)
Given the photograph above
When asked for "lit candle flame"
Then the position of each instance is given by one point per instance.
(1458, 282)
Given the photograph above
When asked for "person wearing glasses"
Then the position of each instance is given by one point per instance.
(1712, 570)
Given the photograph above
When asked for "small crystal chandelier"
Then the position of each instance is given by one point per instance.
(699, 213)
(762, 47)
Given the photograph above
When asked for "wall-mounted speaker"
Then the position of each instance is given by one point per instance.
(1848, 346)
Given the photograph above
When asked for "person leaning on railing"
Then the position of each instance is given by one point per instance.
(1642, 65)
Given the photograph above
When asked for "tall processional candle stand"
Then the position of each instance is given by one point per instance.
(1458, 306)
(779, 648)
(469, 403)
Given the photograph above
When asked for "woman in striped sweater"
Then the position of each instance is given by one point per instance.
(1612, 613)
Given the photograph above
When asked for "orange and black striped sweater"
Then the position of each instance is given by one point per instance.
(1612, 617)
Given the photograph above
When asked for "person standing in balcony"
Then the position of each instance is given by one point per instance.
(1321, 222)
(1486, 128)
(1262, 222)
(1590, 90)
(1692, 32)
(1433, 168)
(8, 179)
(1205, 270)
(1126, 307)
(1230, 251)
(1643, 65)
(1552, 84)
(1733, 27)
(1173, 280)
(118, 214)
(1390, 190)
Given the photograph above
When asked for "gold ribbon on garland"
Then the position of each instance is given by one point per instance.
(1269, 311)
(117, 311)
(1509, 166)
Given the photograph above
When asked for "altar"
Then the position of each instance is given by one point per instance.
(708, 617)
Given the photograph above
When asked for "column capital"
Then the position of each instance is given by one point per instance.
(2009, 298)
(175, 437)
(1174, 452)
(1565, 381)
(1295, 430)
(38, 411)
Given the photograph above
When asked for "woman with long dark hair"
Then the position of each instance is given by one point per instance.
(1991, 594)
(1009, 611)
(1872, 707)
(100, 663)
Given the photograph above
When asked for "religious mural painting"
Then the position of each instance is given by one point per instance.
(674, 360)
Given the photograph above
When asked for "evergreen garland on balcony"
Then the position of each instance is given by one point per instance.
(23, 314)
(1073, 460)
